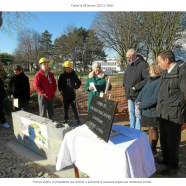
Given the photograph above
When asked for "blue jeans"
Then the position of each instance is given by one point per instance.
(134, 115)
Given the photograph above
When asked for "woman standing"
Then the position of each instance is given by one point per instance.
(147, 101)
(97, 79)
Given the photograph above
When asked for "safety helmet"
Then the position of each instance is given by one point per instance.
(43, 59)
(67, 64)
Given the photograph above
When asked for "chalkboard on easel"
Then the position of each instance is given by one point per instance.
(100, 116)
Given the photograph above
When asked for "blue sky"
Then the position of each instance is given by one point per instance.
(55, 23)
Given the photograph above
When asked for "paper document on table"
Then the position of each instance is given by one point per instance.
(92, 85)
(16, 103)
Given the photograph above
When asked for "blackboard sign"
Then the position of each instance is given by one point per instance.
(100, 116)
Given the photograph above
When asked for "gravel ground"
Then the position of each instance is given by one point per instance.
(13, 165)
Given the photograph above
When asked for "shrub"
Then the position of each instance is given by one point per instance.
(8, 73)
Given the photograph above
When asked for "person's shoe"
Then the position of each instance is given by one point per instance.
(5, 125)
(65, 122)
(168, 171)
(78, 122)
(160, 161)
(57, 124)
(154, 152)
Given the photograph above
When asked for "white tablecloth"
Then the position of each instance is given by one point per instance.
(127, 155)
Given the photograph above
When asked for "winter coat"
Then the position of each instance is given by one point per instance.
(135, 76)
(2, 90)
(19, 87)
(67, 83)
(148, 97)
(46, 86)
(171, 103)
(99, 83)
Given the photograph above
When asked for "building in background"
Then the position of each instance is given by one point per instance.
(111, 64)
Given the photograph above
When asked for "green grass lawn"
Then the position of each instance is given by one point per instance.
(115, 79)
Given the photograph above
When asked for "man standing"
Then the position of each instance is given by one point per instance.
(19, 88)
(171, 109)
(2, 96)
(134, 80)
(67, 83)
(45, 84)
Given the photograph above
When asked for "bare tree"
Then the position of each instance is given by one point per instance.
(27, 50)
(147, 32)
(161, 30)
(13, 22)
(119, 31)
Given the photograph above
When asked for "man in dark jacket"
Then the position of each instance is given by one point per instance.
(19, 87)
(67, 83)
(134, 80)
(2, 96)
(171, 109)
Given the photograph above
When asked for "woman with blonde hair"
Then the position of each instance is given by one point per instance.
(147, 101)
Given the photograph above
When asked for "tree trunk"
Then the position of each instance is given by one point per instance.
(1, 65)
(1, 19)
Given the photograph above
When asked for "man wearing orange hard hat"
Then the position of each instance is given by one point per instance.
(45, 84)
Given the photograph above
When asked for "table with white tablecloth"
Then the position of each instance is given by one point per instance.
(127, 155)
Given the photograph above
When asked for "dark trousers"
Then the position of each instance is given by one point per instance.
(23, 105)
(66, 103)
(170, 135)
(2, 115)
(46, 107)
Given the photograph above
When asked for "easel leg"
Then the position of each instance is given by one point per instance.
(76, 171)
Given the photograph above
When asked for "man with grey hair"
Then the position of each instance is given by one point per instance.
(134, 80)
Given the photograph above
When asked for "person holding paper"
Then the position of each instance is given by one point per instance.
(19, 89)
(96, 82)
(45, 84)
(2, 96)
(67, 83)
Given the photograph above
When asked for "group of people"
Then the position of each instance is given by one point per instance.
(156, 97)
(45, 84)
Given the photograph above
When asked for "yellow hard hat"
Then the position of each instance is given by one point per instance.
(67, 64)
(43, 59)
